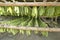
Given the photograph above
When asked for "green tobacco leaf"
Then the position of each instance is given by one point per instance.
(2, 30)
(29, 12)
(36, 23)
(2, 11)
(26, 10)
(16, 9)
(57, 11)
(16, 21)
(34, 12)
(5, 11)
(21, 31)
(43, 25)
(41, 10)
(28, 32)
(9, 10)
(45, 33)
(24, 23)
(30, 23)
(13, 31)
(22, 9)
(50, 10)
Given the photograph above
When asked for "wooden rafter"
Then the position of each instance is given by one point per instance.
(30, 4)
(32, 28)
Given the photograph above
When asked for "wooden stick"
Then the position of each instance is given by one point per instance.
(32, 28)
(30, 4)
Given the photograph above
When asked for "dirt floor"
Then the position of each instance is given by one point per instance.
(52, 36)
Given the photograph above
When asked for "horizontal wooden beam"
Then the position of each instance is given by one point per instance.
(32, 28)
(30, 4)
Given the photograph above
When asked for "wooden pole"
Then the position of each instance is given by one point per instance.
(30, 4)
(32, 28)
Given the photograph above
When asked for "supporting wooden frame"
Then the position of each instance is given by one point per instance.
(31, 28)
(30, 4)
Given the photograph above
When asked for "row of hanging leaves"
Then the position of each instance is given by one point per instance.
(49, 11)
(24, 21)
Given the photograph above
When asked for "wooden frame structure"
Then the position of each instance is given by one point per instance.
(44, 3)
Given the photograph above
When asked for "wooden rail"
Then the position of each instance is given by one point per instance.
(30, 4)
(32, 28)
